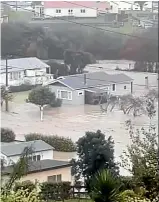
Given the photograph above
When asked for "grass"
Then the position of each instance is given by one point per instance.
(20, 97)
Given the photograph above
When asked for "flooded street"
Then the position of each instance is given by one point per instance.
(74, 121)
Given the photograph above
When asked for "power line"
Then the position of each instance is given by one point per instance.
(86, 25)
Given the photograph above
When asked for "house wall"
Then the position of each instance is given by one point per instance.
(119, 90)
(76, 98)
(44, 155)
(64, 156)
(75, 12)
(29, 76)
(42, 176)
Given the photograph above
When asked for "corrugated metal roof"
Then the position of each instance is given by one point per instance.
(21, 64)
(12, 149)
(39, 166)
(94, 79)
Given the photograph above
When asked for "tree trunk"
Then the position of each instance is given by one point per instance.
(41, 112)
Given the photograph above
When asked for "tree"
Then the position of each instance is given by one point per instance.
(141, 4)
(43, 96)
(141, 160)
(7, 135)
(94, 153)
(105, 187)
(5, 95)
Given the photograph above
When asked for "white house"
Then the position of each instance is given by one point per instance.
(11, 152)
(25, 70)
(75, 8)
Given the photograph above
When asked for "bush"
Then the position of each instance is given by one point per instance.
(127, 183)
(55, 191)
(22, 87)
(7, 135)
(20, 195)
(59, 143)
(56, 103)
(24, 185)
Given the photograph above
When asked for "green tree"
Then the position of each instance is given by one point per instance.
(94, 153)
(141, 160)
(7, 135)
(105, 187)
(43, 96)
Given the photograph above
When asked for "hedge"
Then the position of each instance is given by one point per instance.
(7, 135)
(55, 191)
(24, 185)
(22, 87)
(59, 143)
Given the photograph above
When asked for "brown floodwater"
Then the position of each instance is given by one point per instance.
(74, 121)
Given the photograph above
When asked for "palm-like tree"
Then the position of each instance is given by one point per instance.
(105, 187)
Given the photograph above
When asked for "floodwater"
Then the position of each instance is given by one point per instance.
(74, 121)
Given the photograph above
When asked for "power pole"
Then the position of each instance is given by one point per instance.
(6, 99)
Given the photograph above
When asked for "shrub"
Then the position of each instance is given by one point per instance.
(22, 87)
(59, 143)
(7, 135)
(24, 185)
(104, 187)
(127, 183)
(56, 103)
(55, 191)
(20, 195)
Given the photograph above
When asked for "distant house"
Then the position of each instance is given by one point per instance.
(11, 152)
(25, 70)
(74, 89)
(75, 8)
(43, 171)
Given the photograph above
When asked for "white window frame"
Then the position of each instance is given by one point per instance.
(58, 10)
(68, 97)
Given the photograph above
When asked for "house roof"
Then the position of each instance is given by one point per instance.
(21, 64)
(39, 166)
(76, 4)
(94, 79)
(12, 149)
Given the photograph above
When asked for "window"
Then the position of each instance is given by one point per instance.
(64, 94)
(51, 178)
(80, 93)
(70, 11)
(113, 87)
(38, 157)
(58, 11)
(34, 158)
(54, 178)
(83, 10)
(124, 87)
(111, 7)
(59, 178)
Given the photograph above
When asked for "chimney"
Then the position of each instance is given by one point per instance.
(146, 82)
(85, 79)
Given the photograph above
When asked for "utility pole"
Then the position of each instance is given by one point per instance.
(6, 99)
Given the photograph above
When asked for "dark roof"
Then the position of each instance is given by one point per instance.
(14, 149)
(21, 64)
(94, 79)
(43, 165)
